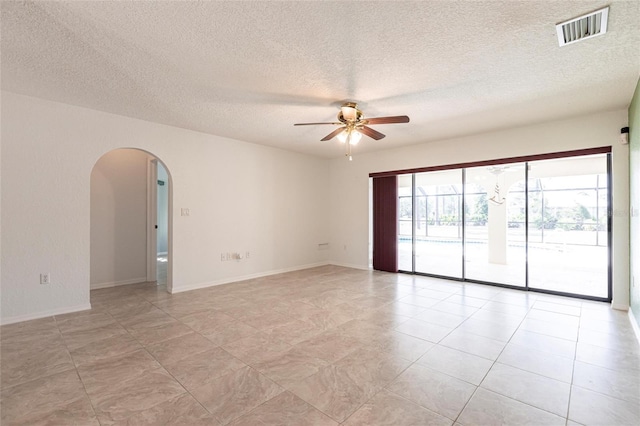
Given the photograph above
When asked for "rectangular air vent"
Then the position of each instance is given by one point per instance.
(583, 27)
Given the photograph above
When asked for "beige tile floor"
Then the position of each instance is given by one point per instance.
(324, 346)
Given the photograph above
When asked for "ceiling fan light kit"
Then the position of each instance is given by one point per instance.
(353, 125)
(350, 136)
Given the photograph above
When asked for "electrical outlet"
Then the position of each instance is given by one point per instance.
(221, 257)
(184, 212)
(45, 279)
(247, 255)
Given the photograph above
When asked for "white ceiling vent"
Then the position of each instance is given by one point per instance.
(583, 27)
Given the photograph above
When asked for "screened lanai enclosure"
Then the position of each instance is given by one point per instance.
(541, 224)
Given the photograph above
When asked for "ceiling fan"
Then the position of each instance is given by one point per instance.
(353, 125)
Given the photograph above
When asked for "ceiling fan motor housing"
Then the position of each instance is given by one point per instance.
(349, 113)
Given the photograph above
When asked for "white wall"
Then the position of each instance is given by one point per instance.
(119, 218)
(349, 180)
(242, 197)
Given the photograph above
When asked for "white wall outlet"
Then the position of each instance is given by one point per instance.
(184, 211)
(227, 256)
(247, 255)
(221, 257)
(45, 279)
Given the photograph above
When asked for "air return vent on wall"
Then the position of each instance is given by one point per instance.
(583, 27)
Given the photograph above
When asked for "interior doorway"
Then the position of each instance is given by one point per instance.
(162, 223)
(130, 220)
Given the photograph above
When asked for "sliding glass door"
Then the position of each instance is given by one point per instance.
(568, 222)
(495, 205)
(438, 223)
(539, 224)
(405, 223)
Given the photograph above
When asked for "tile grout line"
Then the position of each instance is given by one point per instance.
(143, 347)
(164, 368)
(383, 388)
(573, 370)
(492, 365)
(233, 356)
(597, 366)
(186, 391)
(435, 344)
(75, 367)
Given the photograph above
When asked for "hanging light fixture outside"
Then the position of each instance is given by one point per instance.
(497, 198)
(497, 171)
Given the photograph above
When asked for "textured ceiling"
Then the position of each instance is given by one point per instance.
(249, 70)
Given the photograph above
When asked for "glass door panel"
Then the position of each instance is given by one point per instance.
(568, 225)
(438, 223)
(405, 223)
(495, 224)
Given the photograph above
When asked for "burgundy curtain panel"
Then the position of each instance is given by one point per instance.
(385, 224)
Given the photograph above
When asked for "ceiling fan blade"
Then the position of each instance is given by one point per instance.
(313, 124)
(374, 134)
(388, 120)
(333, 134)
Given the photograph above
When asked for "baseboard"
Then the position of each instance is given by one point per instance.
(634, 324)
(45, 314)
(351, 265)
(620, 306)
(118, 283)
(244, 277)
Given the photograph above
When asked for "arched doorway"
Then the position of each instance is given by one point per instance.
(130, 220)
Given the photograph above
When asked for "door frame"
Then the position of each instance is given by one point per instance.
(152, 221)
(607, 150)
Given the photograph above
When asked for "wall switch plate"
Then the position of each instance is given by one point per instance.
(45, 279)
